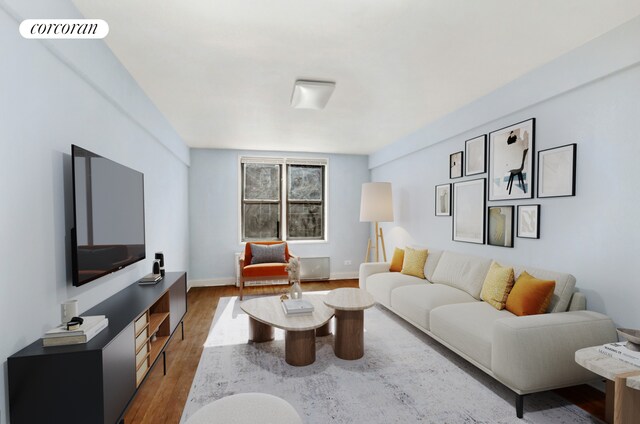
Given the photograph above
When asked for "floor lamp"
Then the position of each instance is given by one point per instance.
(376, 205)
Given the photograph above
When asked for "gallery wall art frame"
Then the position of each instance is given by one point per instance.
(469, 207)
(443, 200)
(511, 161)
(456, 161)
(528, 221)
(557, 171)
(475, 151)
(500, 226)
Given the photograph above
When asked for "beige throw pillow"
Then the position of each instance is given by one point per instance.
(414, 260)
(497, 285)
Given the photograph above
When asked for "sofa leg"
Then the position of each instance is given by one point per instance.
(519, 405)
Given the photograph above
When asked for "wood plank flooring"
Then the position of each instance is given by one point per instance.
(161, 399)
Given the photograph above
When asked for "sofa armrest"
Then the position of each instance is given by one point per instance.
(370, 268)
(536, 352)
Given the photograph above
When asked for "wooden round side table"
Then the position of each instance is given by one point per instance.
(349, 304)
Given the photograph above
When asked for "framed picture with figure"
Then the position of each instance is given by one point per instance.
(529, 221)
(443, 200)
(511, 155)
(455, 165)
(557, 171)
(500, 226)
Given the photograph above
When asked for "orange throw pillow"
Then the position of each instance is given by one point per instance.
(397, 260)
(530, 296)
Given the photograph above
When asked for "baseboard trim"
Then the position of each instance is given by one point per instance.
(231, 281)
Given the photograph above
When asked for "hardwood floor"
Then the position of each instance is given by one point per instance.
(161, 399)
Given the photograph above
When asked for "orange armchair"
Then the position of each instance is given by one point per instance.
(263, 271)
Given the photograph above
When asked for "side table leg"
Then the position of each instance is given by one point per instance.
(349, 334)
(300, 347)
(325, 330)
(626, 409)
(260, 332)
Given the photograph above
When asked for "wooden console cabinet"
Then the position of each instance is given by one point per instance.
(94, 382)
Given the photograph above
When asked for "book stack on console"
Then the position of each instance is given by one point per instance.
(622, 352)
(297, 307)
(90, 327)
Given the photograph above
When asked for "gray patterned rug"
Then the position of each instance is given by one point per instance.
(404, 377)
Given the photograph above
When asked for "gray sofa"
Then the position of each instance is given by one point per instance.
(528, 354)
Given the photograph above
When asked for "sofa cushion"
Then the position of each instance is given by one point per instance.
(380, 285)
(465, 272)
(396, 261)
(265, 270)
(414, 261)
(415, 302)
(468, 327)
(432, 263)
(530, 295)
(565, 285)
(497, 285)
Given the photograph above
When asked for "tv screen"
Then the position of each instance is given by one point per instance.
(108, 203)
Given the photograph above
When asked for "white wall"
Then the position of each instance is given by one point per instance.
(594, 235)
(214, 216)
(55, 94)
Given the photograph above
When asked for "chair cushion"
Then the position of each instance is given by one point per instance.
(415, 302)
(265, 270)
(267, 253)
(468, 327)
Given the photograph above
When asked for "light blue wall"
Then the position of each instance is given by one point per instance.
(594, 235)
(214, 214)
(55, 94)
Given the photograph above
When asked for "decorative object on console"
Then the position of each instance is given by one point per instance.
(557, 171)
(475, 150)
(469, 210)
(529, 221)
(160, 257)
(414, 260)
(530, 295)
(397, 260)
(69, 310)
(443, 200)
(455, 164)
(376, 205)
(511, 161)
(500, 226)
(633, 338)
(156, 268)
(497, 285)
(85, 329)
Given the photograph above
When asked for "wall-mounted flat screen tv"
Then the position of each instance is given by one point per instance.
(108, 204)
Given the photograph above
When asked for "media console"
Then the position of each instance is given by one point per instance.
(94, 382)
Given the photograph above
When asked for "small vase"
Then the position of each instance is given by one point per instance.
(296, 291)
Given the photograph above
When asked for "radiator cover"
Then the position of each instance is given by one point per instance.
(314, 269)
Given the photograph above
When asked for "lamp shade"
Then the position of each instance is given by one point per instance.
(376, 203)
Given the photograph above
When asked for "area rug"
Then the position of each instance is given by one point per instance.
(404, 377)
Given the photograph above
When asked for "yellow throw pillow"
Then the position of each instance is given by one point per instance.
(397, 260)
(530, 296)
(414, 260)
(497, 285)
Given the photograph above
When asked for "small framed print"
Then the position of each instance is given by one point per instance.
(475, 150)
(511, 161)
(455, 165)
(528, 221)
(443, 200)
(469, 206)
(500, 226)
(557, 171)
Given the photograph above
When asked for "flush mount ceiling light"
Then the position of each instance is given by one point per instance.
(311, 94)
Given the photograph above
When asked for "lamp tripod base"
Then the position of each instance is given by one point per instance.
(379, 241)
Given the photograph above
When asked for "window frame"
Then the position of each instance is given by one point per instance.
(284, 163)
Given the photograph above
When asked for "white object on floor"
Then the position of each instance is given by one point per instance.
(249, 408)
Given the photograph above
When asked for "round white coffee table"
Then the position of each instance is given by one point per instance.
(300, 330)
(247, 408)
(349, 304)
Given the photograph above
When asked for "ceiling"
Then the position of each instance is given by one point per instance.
(222, 72)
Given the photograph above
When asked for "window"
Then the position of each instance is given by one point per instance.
(283, 199)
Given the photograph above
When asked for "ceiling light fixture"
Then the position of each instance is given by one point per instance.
(311, 94)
